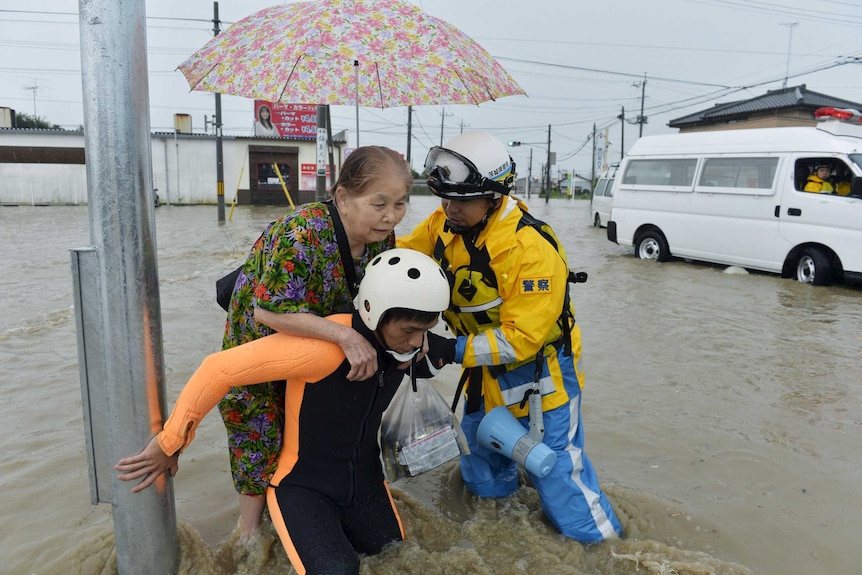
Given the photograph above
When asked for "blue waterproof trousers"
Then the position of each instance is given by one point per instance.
(570, 493)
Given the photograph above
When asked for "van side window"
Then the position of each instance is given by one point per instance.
(807, 178)
(749, 173)
(609, 189)
(661, 172)
(600, 188)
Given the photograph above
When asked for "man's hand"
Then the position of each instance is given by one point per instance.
(150, 463)
(359, 353)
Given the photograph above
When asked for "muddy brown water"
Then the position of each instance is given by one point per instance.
(722, 413)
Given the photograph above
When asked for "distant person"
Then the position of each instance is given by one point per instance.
(263, 126)
(306, 265)
(819, 180)
(515, 328)
(328, 498)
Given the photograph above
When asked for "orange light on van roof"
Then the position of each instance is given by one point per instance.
(843, 114)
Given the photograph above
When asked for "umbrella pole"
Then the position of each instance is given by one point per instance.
(356, 69)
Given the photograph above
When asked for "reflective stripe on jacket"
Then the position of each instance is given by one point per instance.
(509, 315)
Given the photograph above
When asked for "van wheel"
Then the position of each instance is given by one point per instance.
(651, 245)
(597, 221)
(813, 267)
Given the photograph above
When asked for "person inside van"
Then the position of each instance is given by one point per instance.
(822, 181)
(818, 181)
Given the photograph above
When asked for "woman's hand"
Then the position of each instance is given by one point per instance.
(150, 463)
(359, 353)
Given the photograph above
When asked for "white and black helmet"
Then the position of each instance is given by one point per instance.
(469, 166)
(401, 278)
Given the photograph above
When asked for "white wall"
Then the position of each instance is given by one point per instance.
(43, 184)
(184, 168)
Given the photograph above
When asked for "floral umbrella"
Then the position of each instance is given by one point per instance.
(381, 54)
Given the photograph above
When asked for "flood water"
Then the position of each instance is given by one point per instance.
(722, 412)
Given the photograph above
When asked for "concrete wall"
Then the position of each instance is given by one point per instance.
(41, 183)
(184, 167)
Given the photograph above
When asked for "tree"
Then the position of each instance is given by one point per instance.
(23, 120)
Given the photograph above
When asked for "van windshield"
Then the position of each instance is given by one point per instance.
(856, 159)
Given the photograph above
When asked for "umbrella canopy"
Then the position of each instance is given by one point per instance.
(380, 54)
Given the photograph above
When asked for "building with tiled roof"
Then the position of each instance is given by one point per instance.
(777, 108)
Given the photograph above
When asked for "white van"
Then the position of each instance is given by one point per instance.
(600, 203)
(736, 197)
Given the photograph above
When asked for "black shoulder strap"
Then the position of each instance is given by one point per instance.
(480, 260)
(343, 249)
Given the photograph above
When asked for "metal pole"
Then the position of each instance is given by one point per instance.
(791, 25)
(330, 147)
(409, 134)
(622, 118)
(356, 68)
(641, 119)
(548, 167)
(442, 121)
(219, 149)
(320, 193)
(593, 172)
(122, 290)
(530, 173)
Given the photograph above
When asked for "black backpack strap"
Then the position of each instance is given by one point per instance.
(343, 248)
(472, 377)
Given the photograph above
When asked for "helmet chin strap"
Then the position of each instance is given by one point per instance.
(402, 357)
(399, 357)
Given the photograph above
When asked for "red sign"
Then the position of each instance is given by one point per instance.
(285, 120)
(308, 176)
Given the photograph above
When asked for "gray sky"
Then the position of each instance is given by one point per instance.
(579, 62)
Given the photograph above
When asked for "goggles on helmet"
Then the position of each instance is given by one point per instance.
(451, 175)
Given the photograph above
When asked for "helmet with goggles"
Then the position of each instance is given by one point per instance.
(472, 165)
(401, 278)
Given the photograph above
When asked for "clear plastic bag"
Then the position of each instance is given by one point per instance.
(419, 432)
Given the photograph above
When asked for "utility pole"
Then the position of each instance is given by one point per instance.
(593, 172)
(642, 119)
(530, 173)
(622, 119)
(33, 89)
(791, 25)
(409, 133)
(443, 115)
(219, 149)
(356, 85)
(548, 167)
(322, 131)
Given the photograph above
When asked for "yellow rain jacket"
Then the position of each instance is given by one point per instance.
(511, 313)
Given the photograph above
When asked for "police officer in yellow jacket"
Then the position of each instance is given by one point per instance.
(818, 181)
(515, 328)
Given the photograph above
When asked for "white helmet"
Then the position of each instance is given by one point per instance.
(401, 278)
(472, 165)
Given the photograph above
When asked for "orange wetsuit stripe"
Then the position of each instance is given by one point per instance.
(281, 528)
(394, 510)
